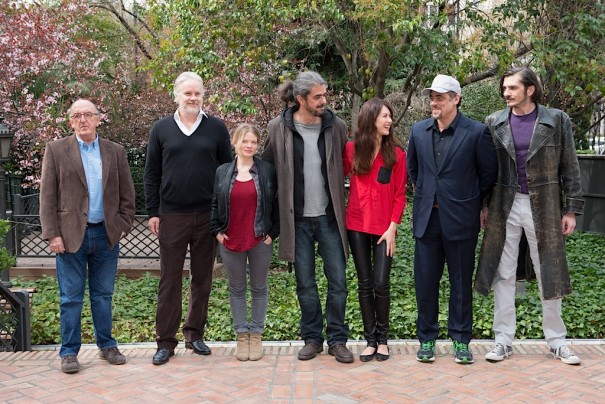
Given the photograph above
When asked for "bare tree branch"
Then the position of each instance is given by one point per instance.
(111, 9)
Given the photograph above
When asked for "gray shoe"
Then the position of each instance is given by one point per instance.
(499, 352)
(113, 356)
(566, 355)
(310, 351)
(70, 364)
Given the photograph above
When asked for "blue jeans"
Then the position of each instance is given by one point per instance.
(102, 262)
(325, 232)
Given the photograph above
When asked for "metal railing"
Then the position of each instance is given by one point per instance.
(27, 234)
(14, 320)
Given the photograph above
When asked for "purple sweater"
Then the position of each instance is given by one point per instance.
(522, 127)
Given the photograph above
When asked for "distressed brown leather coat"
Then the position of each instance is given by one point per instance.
(553, 176)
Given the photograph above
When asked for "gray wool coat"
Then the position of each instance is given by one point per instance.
(279, 150)
(553, 176)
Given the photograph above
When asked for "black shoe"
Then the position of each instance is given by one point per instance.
(382, 357)
(310, 351)
(368, 358)
(199, 347)
(162, 356)
(341, 353)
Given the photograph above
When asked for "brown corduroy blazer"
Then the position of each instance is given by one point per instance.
(64, 193)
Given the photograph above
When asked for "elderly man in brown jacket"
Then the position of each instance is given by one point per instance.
(86, 206)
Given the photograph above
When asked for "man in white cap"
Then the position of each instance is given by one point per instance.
(452, 163)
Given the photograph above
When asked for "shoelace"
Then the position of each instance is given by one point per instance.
(565, 352)
(427, 346)
(460, 346)
(500, 350)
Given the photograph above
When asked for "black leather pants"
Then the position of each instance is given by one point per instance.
(374, 284)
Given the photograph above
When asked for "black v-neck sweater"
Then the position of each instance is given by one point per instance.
(180, 169)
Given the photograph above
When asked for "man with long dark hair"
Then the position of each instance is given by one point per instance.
(538, 192)
(306, 143)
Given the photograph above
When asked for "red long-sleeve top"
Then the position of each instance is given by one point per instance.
(374, 204)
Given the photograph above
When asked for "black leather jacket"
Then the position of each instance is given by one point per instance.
(266, 221)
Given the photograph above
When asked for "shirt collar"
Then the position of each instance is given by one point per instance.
(452, 126)
(201, 114)
(253, 169)
(83, 145)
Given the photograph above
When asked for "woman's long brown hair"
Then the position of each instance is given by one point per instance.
(365, 138)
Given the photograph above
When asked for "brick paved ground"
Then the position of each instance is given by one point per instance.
(529, 376)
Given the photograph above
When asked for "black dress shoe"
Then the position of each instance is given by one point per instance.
(162, 356)
(198, 347)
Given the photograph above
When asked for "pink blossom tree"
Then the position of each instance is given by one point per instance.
(46, 63)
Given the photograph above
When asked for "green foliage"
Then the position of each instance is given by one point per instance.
(135, 301)
(6, 258)
(481, 99)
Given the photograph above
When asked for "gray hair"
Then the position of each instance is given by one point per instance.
(183, 77)
(302, 86)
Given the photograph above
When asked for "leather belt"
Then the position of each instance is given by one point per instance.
(96, 224)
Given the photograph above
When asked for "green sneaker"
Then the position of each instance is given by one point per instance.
(426, 353)
(462, 354)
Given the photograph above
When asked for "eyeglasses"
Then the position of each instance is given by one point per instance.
(78, 115)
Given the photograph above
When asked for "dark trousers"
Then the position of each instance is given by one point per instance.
(177, 232)
(432, 251)
(373, 280)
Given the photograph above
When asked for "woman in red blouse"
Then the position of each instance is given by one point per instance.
(376, 164)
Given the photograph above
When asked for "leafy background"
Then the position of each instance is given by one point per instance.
(135, 301)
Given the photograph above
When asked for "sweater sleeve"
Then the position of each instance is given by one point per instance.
(153, 173)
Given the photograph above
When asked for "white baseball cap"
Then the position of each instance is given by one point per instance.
(443, 84)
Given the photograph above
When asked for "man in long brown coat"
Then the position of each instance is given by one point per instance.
(538, 191)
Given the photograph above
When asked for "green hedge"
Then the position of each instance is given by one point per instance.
(135, 302)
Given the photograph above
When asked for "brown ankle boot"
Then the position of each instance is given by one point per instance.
(243, 346)
(256, 346)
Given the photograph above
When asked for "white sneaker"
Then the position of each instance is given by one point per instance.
(565, 354)
(499, 352)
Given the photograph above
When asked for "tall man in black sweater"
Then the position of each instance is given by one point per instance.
(183, 153)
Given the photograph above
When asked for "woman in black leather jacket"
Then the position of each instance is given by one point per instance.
(245, 221)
